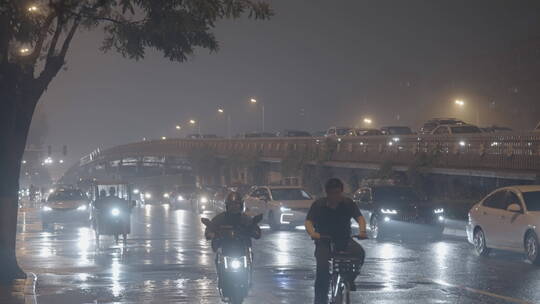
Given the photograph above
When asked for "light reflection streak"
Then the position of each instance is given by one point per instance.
(387, 252)
(441, 256)
(115, 270)
(85, 237)
(283, 246)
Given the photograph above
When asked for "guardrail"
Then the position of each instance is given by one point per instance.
(505, 151)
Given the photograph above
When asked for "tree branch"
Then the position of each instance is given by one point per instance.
(57, 32)
(69, 37)
(44, 32)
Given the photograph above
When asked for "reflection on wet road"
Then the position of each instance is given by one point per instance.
(167, 260)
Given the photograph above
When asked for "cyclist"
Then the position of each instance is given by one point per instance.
(330, 218)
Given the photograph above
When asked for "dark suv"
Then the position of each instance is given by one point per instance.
(392, 210)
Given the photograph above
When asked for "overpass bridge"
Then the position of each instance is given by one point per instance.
(504, 156)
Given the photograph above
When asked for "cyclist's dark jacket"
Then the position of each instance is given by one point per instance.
(335, 223)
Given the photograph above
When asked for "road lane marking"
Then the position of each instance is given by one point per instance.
(482, 292)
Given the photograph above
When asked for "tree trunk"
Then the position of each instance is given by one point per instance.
(17, 104)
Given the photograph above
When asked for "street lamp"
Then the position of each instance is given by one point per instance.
(368, 121)
(178, 127)
(461, 103)
(222, 111)
(32, 8)
(193, 122)
(24, 51)
(254, 101)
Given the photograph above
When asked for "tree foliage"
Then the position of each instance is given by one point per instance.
(40, 31)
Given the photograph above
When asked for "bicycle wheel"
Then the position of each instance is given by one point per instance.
(340, 294)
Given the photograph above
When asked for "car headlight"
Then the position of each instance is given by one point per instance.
(284, 209)
(180, 198)
(235, 263)
(82, 208)
(147, 195)
(389, 211)
(47, 208)
(204, 199)
(165, 195)
(136, 191)
(438, 211)
(115, 212)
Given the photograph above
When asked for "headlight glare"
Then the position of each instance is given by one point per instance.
(438, 211)
(115, 212)
(47, 208)
(204, 199)
(82, 208)
(389, 211)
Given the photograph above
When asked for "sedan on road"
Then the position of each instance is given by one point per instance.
(65, 206)
(507, 219)
(283, 207)
(391, 210)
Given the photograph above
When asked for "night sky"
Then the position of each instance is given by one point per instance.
(337, 60)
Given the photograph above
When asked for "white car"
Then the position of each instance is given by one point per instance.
(282, 206)
(507, 219)
(65, 206)
(456, 129)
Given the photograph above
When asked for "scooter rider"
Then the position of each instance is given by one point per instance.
(232, 217)
(331, 217)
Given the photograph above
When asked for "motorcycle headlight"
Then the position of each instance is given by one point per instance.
(147, 195)
(438, 211)
(135, 191)
(47, 208)
(82, 208)
(180, 198)
(284, 209)
(115, 212)
(388, 211)
(204, 199)
(165, 195)
(235, 264)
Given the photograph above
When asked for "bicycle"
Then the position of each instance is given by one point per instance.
(342, 267)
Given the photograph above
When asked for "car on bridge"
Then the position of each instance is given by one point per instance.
(393, 210)
(456, 129)
(293, 133)
(397, 130)
(431, 124)
(496, 129)
(337, 132)
(367, 132)
(507, 219)
(65, 206)
(282, 206)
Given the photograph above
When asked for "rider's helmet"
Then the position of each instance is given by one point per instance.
(234, 203)
(112, 191)
(102, 193)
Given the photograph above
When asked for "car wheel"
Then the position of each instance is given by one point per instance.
(375, 228)
(272, 222)
(479, 240)
(531, 248)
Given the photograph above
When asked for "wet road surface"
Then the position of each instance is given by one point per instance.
(167, 260)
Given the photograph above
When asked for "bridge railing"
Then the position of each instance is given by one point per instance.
(505, 151)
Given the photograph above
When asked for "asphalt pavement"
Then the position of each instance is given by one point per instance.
(167, 260)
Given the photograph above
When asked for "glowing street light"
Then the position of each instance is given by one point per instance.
(192, 121)
(163, 137)
(222, 111)
(24, 51)
(368, 121)
(178, 127)
(254, 101)
(459, 102)
(32, 8)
